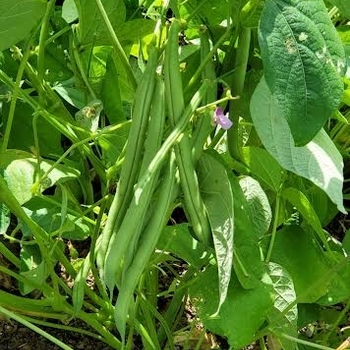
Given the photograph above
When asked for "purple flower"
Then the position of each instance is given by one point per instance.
(221, 119)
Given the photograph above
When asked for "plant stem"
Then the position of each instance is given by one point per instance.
(15, 94)
(274, 228)
(117, 46)
(301, 341)
(42, 37)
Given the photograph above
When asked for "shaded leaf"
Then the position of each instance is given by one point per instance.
(338, 286)
(5, 218)
(49, 217)
(285, 296)
(258, 204)
(215, 189)
(17, 19)
(302, 204)
(263, 166)
(242, 313)
(304, 260)
(247, 258)
(32, 267)
(92, 28)
(178, 240)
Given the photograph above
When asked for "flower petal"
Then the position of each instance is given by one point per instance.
(222, 119)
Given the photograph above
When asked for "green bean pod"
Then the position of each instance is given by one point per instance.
(194, 206)
(204, 125)
(133, 154)
(166, 195)
(122, 245)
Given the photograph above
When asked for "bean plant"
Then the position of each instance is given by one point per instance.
(163, 156)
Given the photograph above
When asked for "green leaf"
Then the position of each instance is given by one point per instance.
(258, 205)
(133, 31)
(319, 161)
(251, 13)
(113, 144)
(17, 19)
(296, 251)
(326, 210)
(242, 313)
(343, 7)
(32, 267)
(72, 95)
(20, 172)
(285, 296)
(217, 196)
(69, 11)
(302, 204)
(346, 242)
(51, 218)
(263, 166)
(303, 59)
(92, 28)
(178, 240)
(338, 285)
(247, 258)
(5, 218)
(22, 135)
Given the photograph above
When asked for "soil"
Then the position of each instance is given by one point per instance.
(14, 336)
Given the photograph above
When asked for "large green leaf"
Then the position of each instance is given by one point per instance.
(263, 166)
(32, 267)
(53, 219)
(304, 260)
(302, 204)
(285, 296)
(241, 315)
(247, 258)
(343, 6)
(258, 204)
(92, 28)
(178, 240)
(303, 59)
(217, 196)
(319, 161)
(338, 288)
(17, 19)
(20, 170)
(22, 132)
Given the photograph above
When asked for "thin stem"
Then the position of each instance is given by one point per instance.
(117, 46)
(63, 327)
(57, 35)
(274, 228)
(338, 321)
(301, 341)
(80, 67)
(205, 61)
(15, 94)
(43, 34)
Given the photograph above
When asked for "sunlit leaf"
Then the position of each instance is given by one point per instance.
(303, 61)
(319, 161)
